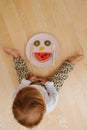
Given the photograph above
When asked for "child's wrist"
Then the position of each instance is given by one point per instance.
(16, 56)
(70, 61)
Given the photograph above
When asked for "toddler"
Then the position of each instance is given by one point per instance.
(36, 96)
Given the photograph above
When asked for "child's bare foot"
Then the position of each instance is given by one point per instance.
(12, 52)
(75, 59)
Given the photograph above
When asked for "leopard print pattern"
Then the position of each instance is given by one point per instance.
(61, 74)
(21, 68)
(58, 77)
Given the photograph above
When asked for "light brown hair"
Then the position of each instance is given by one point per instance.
(29, 107)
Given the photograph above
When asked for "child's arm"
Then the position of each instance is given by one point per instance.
(21, 68)
(62, 73)
(20, 65)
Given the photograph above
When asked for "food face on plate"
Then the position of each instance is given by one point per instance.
(42, 49)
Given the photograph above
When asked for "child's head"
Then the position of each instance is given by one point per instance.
(29, 107)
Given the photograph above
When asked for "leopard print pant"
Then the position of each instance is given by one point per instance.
(58, 77)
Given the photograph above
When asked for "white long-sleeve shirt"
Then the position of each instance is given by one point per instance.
(50, 95)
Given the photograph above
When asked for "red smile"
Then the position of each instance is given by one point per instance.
(42, 56)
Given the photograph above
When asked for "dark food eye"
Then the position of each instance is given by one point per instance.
(47, 43)
(37, 43)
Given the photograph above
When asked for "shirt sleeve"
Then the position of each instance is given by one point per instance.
(24, 83)
(53, 96)
(21, 68)
(61, 74)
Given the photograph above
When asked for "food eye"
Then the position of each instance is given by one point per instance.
(37, 43)
(47, 43)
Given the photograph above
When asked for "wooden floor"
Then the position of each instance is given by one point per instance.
(67, 21)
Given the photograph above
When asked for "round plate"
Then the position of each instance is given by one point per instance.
(42, 50)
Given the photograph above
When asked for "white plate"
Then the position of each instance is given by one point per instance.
(53, 48)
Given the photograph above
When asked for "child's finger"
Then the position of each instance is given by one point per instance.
(6, 50)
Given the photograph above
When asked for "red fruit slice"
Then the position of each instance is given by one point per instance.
(42, 56)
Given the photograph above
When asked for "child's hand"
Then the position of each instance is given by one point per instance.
(33, 78)
(12, 52)
(42, 80)
(75, 59)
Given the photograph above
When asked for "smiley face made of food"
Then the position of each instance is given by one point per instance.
(41, 53)
(42, 49)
